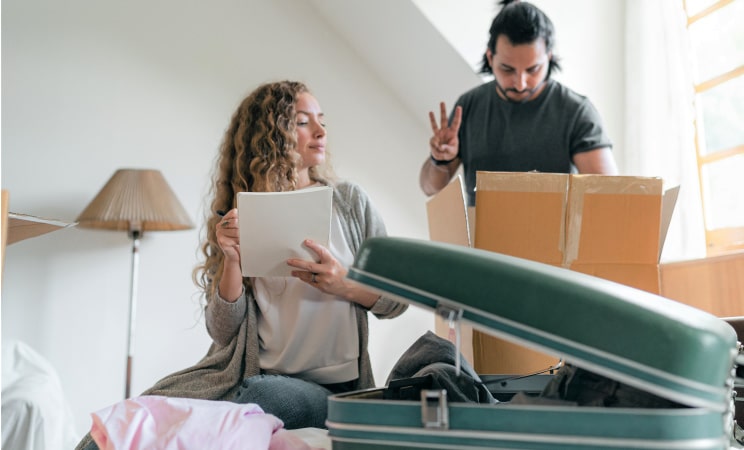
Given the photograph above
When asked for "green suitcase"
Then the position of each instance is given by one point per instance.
(659, 346)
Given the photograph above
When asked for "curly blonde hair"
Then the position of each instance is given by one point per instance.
(257, 154)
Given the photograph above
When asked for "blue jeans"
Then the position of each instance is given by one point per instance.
(296, 402)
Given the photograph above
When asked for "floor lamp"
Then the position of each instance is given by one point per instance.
(135, 201)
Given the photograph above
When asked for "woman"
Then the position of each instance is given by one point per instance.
(308, 332)
(282, 343)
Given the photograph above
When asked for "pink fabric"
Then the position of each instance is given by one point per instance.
(156, 422)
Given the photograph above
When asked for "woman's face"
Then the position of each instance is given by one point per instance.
(311, 133)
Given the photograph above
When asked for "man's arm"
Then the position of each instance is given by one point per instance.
(597, 161)
(433, 178)
(444, 146)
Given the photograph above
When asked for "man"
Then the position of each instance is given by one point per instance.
(522, 120)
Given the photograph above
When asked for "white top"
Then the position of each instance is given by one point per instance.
(304, 332)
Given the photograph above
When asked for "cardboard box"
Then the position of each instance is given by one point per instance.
(612, 227)
(714, 284)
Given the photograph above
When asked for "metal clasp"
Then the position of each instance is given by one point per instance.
(434, 413)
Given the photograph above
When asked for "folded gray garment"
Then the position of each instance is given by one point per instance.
(435, 356)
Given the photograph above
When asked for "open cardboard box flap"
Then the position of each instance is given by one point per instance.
(668, 203)
(447, 214)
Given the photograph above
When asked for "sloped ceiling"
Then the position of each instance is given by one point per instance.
(403, 48)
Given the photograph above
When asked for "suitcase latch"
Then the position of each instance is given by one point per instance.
(434, 413)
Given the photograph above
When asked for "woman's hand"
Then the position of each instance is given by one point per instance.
(228, 238)
(329, 276)
(228, 235)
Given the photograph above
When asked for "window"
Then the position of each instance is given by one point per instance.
(717, 43)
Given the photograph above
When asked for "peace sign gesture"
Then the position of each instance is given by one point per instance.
(444, 144)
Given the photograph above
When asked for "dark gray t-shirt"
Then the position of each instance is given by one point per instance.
(541, 135)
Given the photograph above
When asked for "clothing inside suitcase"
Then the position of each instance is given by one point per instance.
(668, 350)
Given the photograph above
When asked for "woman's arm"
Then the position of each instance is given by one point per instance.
(329, 276)
(226, 311)
(384, 307)
(224, 318)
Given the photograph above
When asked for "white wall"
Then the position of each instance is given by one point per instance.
(590, 39)
(89, 87)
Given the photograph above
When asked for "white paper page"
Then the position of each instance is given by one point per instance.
(273, 226)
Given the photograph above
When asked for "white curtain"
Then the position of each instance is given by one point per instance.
(659, 109)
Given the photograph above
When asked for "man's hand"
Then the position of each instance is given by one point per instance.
(444, 144)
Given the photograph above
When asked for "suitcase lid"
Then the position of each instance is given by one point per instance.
(664, 347)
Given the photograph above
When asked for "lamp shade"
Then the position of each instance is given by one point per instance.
(135, 200)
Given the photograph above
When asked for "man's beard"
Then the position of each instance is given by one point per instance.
(532, 92)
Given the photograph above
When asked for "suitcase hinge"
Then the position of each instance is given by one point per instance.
(434, 413)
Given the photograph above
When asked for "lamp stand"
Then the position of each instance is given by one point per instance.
(135, 235)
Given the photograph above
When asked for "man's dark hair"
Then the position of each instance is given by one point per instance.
(522, 23)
